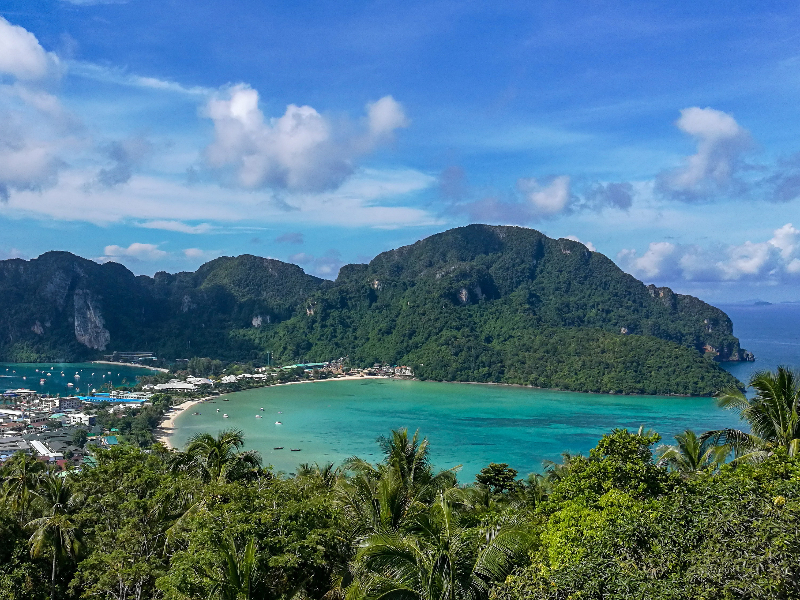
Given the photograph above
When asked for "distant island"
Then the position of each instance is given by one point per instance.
(481, 303)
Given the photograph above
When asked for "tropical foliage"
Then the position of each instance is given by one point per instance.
(773, 415)
(477, 303)
(628, 520)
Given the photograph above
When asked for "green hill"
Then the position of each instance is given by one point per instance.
(477, 303)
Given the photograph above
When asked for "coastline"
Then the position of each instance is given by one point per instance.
(111, 362)
(166, 428)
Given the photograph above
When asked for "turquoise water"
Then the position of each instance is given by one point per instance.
(471, 425)
(474, 425)
(57, 375)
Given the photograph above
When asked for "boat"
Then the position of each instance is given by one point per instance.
(262, 408)
(278, 448)
(225, 416)
(295, 449)
(258, 417)
(41, 382)
(70, 385)
(278, 423)
(217, 410)
(195, 413)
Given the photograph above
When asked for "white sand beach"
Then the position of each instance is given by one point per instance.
(166, 428)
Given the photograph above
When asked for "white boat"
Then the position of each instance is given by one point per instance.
(225, 416)
(278, 423)
(258, 417)
(217, 410)
(262, 408)
(70, 385)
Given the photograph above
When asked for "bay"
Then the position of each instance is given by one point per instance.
(57, 376)
(473, 425)
(467, 424)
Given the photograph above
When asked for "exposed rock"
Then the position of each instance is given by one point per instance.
(257, 320)
(37, 328)
(89, 324)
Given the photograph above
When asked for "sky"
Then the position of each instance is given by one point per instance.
(163, 134)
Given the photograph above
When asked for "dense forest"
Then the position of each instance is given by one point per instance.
(713, 516)
(477, 303)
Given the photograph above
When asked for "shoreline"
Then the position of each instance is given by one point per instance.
(123, 364)
(166, 428)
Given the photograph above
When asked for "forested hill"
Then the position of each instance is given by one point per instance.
(477, 303)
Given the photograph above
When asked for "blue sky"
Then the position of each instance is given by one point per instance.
(164, 134)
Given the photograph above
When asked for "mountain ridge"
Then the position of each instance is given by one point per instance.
(476, 303)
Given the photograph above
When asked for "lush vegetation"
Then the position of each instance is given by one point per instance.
(630, 520)
(478, 303)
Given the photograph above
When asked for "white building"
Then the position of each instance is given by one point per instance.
(80, 419)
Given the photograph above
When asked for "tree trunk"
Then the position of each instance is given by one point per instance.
(53, 578)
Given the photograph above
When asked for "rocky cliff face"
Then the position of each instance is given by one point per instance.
(89, 324)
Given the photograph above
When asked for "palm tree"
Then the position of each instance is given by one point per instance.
(217, 458)
(691, 454)
(56, 531)
(382, 496)
(772, 414)
(435, 558)
(22, 474)
(325, 475)
(238, 572)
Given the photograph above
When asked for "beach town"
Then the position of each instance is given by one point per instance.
(65, 430)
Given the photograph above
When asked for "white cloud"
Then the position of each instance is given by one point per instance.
(198, 254)
(549, 199)
(120, 76)
(651, 264)
(385, 116)
(136, 250)
(22, 56)
(720, 143)
(149, 199)
(301, 150)
(178, 226)
(769, 261)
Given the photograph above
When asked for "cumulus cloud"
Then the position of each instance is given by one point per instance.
(612, 195)
(293, 237)
(721, 142)
(34, 127)
(137, 250)
(546, 199)
(533, 201)
(125, 155)
(302, 150)
(774, 260)
(22, 56)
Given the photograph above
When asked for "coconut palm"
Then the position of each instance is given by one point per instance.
(325, 475)
(55, 532)
(21, 476)
(237, 575)
(691, 454)
(380, 497)
(436, 558)
(772, 414)
(218, 458)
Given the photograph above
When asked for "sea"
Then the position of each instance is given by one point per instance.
(469, 426)
(67, 379)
